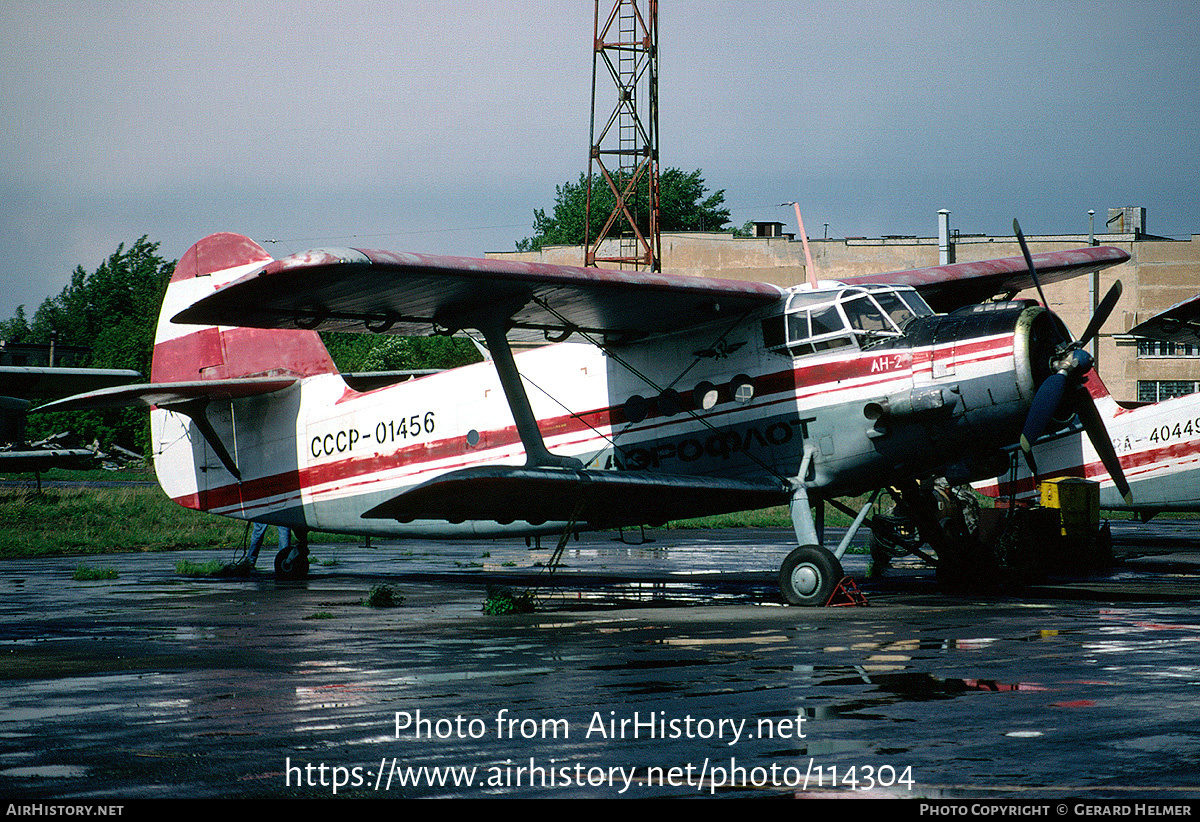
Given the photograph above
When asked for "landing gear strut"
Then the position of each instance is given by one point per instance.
(811, 573)
(292, 562)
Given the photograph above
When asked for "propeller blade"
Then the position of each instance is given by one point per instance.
(1093, 424)
(1032, 463)
(1029, 261)
(1102, 311)
(1045, 403)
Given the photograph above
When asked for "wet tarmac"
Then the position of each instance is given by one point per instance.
(666, 669)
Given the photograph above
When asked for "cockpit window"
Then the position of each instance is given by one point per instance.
(834, 317)
(864, 315)
(896, 308)
(916, 302)
(826, 321)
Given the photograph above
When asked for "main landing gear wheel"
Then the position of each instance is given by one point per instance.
(291, 563)
(809, 575)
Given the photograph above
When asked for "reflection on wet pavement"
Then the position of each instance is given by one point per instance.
(660, 670)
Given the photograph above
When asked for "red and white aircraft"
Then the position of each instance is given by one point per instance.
(1157, 444)
(675, 397)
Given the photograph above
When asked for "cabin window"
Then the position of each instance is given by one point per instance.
(636, 408)
(741, 388)
(705, 395)
(670, 402)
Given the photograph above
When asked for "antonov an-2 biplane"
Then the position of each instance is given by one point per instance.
(674, 397)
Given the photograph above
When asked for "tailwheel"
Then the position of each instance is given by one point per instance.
(292, 562)
(809, 575)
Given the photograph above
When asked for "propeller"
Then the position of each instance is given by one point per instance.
(1064, 388)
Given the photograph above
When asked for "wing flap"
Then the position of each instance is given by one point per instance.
(169, 393)
(415, 294)
(604, 499)
(947, 287)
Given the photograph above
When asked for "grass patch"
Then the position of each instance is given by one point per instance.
(212, 568)
(67, 521)
(320, 615)
(86, 573)
(383, 596)
(775, 517)
(502, 600)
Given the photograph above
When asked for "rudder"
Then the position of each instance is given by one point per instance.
(184, 353)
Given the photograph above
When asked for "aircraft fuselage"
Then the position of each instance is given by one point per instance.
(716, 401)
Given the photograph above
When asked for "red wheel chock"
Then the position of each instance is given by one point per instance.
(846, 593)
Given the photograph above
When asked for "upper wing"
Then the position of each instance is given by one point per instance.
(947, 287)
(353, 290)
(380, 291)
(1178, 324)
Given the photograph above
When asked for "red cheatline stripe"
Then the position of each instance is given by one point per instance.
(1136, 465)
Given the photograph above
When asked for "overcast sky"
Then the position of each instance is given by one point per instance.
(440, 127)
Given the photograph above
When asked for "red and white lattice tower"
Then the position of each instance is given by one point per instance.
(621, 223)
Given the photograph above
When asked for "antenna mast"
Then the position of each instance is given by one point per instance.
(623, 156)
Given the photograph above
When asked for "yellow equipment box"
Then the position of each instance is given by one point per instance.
(1078, 504)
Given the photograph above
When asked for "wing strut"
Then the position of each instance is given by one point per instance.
(495, 333)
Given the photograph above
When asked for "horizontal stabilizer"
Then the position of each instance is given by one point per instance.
(43, 459)
(169, 393)
(601, 499)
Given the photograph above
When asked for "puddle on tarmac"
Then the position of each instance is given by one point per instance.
(666, 594)
(45, 772)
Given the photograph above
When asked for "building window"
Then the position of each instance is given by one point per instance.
(1159, 348)
(1158, 390)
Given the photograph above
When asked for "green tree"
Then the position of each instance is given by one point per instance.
(112, 312)
(15, 330)
(391, 352)
(683, 206)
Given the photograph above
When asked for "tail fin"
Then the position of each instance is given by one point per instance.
(184, 353)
